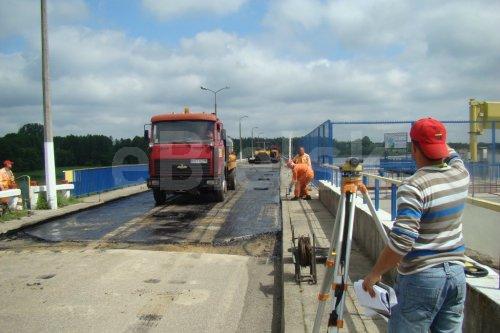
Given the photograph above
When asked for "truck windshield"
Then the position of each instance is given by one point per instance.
(182, 131)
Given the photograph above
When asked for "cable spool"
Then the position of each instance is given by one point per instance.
(304, 250)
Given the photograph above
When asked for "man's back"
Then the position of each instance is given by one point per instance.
(430, 207)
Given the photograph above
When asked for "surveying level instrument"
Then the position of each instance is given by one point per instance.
(337, 263)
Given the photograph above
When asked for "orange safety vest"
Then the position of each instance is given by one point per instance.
(304, 159)
(231, 162)
(7, 178)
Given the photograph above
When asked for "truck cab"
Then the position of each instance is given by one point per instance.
(187, 153)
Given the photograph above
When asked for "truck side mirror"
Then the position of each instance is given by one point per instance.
(146, 135)
(223, 135)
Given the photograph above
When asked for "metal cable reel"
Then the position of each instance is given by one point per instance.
(304, 255)
(304, 251)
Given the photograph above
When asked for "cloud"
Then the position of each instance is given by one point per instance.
(22, 17)
(407, 61)
(169, 9)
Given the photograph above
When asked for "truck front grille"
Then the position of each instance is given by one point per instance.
(180, 169)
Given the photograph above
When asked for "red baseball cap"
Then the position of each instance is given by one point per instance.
(430, 134)
(8, 163)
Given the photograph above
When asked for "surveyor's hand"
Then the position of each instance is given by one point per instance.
(369, 281)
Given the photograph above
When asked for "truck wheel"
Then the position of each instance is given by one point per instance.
(220, 194)
(231, 180)
(160, 197)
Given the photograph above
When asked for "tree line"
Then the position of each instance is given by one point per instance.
(25, 148)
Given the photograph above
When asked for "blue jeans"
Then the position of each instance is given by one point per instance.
(429, 300)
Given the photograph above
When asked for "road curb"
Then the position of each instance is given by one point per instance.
(18, 225)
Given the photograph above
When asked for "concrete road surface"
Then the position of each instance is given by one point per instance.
(127, 266)
(128, 291)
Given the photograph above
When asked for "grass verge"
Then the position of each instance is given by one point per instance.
(13, 215)
(61, 201)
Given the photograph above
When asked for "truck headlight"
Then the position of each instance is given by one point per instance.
(199, 161)
(155, 182)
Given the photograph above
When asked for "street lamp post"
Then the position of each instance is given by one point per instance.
(252, 138)
(215, 95)
(241, 142)
(263, 139)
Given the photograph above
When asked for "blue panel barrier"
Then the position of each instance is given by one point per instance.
(97, 180)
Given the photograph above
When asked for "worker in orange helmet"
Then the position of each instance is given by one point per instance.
(303, 174)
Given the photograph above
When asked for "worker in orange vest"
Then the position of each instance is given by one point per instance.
(8, 182)
(302, 157)
(231, 162)
(303, 174)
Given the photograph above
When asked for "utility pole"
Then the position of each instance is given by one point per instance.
(50, 168)
(241, 142)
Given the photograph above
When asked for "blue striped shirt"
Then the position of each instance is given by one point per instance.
(428, 227)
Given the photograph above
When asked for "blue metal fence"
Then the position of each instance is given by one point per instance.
(320, 144)
(97, 180)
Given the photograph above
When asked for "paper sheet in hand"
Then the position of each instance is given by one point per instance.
(384, 299)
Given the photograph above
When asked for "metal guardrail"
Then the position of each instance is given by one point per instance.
(334, 177)
(97, 180)
(332, 141)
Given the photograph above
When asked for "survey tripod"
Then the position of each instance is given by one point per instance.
(337, 263)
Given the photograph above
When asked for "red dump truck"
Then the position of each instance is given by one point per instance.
(188, 152)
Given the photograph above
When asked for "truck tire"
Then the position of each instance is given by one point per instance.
(220, 193)
(231, 180)
(160, 197)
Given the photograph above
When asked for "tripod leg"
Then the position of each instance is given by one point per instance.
(327, 281)
(342, 284)
(339, 257)
(378, 223)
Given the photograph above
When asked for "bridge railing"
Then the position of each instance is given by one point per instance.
(101, 179)
(385, 189)
(379, 187)
(332, 142)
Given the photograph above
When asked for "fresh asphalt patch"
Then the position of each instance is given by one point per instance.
(252, 211)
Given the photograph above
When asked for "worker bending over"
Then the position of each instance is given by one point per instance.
(302, 158)
(303, 174)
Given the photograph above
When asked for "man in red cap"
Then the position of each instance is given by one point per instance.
(7, 182)
(426, 242)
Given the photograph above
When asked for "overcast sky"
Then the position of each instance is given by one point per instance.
(290, 64)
